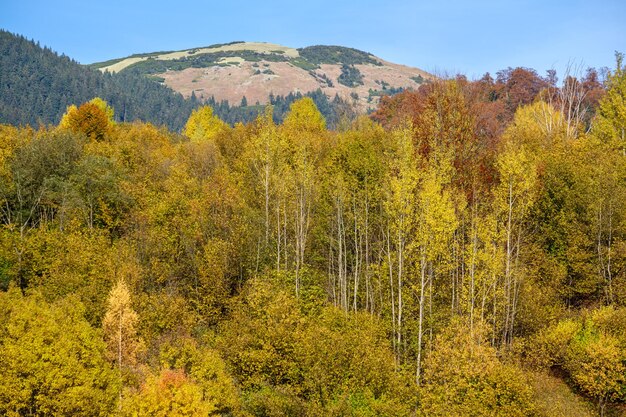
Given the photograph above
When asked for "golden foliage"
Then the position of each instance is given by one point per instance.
(202, 125)
(120, 328)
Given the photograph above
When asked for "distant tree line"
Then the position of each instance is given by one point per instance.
(157, 66)
(36, 86)
(323, 54)
(333, 110)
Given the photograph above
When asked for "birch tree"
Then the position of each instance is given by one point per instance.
(513, 198)
(304, 128)
(436, 223)
(400, 205)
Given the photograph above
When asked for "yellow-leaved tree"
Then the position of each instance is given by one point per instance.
(93, 118)
(436, 223)
(120, 330)
(203, 125)
(514, 197)
(610, 123)
(304, 116)
(304, 133)
(464, 377)
(104, 106)
(596, 365)
(169, 394)
(400, 207)
(52, 360)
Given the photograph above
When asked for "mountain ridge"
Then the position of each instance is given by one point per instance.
(256, 70)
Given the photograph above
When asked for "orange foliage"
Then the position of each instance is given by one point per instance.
(456, 115)
(90, 120)
(517, 87)
(171, 379)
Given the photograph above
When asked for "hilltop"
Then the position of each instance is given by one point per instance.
(257, 70)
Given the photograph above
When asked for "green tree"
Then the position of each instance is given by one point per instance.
(259, 341)
(610, 122)
(71, 262)
(291, 361)
(463, 376)
(98, 183)
(349, 218)
(53, 361)
(35, 186)
(348, 367)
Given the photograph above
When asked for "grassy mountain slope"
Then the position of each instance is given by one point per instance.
(257, 70)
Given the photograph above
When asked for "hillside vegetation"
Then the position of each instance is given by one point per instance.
(461, 254)
(37, 85)
(310, 57)
(256, 70)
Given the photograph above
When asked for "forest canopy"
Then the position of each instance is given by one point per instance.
(459, 252)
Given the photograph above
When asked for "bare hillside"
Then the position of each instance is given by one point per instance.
(255, 70)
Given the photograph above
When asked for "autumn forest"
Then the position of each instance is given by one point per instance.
(461, 251)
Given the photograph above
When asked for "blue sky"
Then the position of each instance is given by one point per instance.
(442, 36)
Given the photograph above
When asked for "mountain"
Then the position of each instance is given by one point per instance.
(37, 85)
(252, 72)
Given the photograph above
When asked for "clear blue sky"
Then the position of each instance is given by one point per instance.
(441, 36)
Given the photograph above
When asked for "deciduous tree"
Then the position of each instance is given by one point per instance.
(120, 329)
